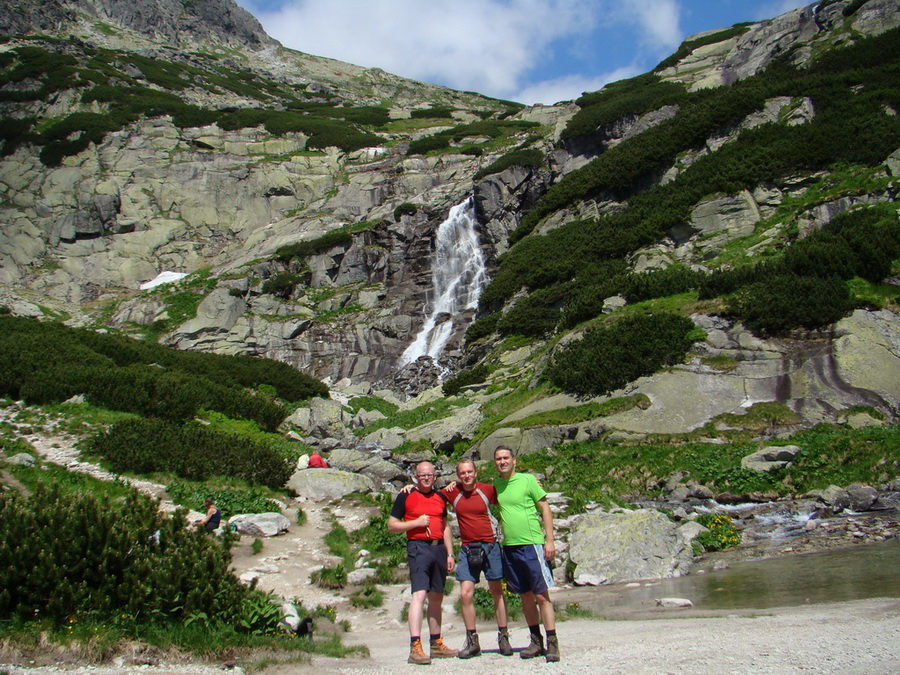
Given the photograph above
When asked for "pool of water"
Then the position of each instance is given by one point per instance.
(865, 571)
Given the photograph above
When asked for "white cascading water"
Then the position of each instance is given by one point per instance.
(459, 275)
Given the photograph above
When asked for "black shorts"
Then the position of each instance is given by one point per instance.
(427, 565)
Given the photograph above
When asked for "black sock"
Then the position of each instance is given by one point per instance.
(551, 633)
(501, 629)
(435, 638)
(413, 638)
(535, 629)
(471, 632)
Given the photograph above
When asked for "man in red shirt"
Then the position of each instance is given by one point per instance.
(480, 552)
(422, 514)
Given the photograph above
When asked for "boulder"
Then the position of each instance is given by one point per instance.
(630, 545)
(260, 524)
(834, 497)
(862, 497)
(329, 485)
(370, 464)
(444, 434)
(324, 418)
(770, 458)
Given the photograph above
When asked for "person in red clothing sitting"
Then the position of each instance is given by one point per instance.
(422, 515)
(316, 461)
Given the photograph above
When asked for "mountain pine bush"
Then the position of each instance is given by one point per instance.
(621, 351)
(64, 555)
(190, 451)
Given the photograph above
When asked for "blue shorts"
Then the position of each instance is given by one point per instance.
(427, 565)
(526, 570)
(492, 571)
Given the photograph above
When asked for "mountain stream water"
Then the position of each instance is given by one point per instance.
(844, 573)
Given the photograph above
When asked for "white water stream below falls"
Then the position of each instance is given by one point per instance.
(458, 274)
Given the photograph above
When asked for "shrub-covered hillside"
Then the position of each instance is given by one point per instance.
(558, 277)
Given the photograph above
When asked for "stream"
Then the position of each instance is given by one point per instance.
(864, 571)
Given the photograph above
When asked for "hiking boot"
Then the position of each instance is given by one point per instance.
(552, 649)
(503, 642)
(441, 651)
(536, 648)
(417, 655)
(471, 648)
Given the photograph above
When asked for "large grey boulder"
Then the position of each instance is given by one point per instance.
(525, 441)
(630, 545)
(329, 485)
(260, 524)
(444, 433)
(862, 497)
(324, 418)
(372, 465)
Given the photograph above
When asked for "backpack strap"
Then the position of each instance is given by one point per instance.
(487, 505)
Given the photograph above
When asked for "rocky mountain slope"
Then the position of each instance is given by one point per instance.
(302, 197)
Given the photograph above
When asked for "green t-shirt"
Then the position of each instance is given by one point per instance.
(519, 517)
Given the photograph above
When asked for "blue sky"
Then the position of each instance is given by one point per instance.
(531, 51)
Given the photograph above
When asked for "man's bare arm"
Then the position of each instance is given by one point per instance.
(547, 519)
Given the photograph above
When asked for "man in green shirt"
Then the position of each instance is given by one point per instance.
(528, 549)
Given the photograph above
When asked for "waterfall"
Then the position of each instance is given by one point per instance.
(458, 275)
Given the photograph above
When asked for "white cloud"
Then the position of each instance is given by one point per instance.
(489, 46)
(569, 87)
(484, 45)
(657, 21)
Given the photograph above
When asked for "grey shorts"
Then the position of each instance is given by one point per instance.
(493, 570)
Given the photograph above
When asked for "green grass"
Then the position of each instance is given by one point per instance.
(407, 419)
(582, 413)
(609, 473)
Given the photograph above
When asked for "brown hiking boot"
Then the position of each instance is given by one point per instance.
(417, 655)
(536, 648)
(552, 649)
(471, 648)
(441, 651)
(503, 643)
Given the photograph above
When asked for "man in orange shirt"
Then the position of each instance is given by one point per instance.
(422, 515)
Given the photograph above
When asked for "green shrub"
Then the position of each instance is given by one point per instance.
(368, 596)
(282, 284)
(191, 451)
(784, 302)
(722, 532)
(528, 157)
(110, 559)
(36, 354)
(464, 378)
(619, 352)
(331, 578)
(405, 209)
(436, 112)
(428, 144)
(482, 327)
(231, 502)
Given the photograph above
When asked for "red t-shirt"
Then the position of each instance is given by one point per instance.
(411, 505)
(473, 514)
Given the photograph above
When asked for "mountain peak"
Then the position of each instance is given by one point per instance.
(177, 22)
